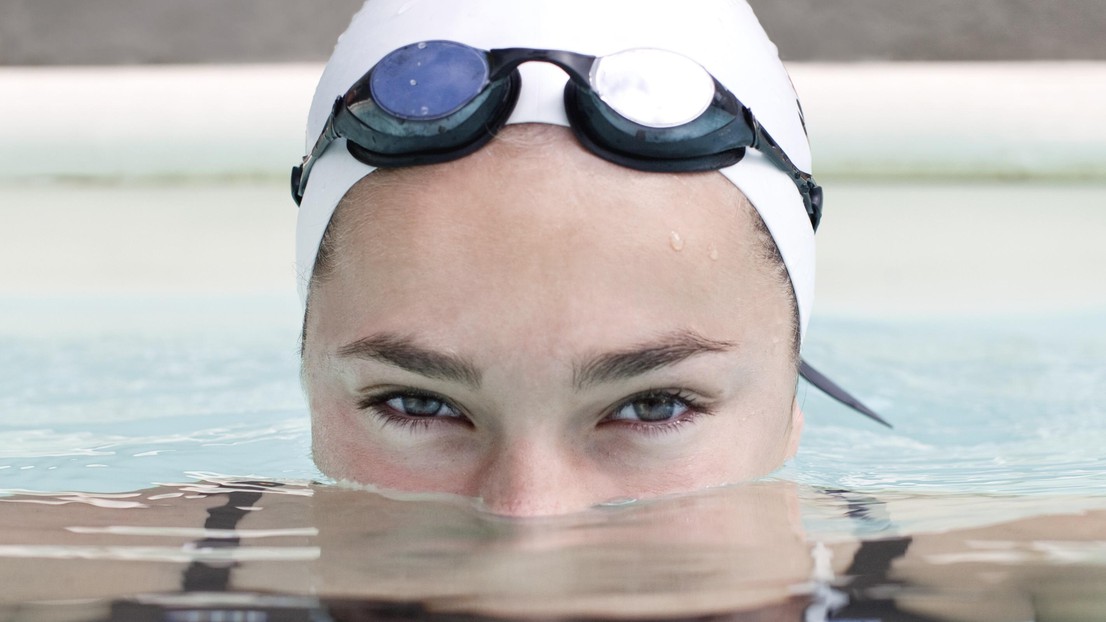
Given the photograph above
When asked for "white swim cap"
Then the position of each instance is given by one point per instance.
(722, 35)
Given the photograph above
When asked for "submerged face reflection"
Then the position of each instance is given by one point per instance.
(543, 330)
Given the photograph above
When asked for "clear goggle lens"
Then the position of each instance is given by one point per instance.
(654, 88)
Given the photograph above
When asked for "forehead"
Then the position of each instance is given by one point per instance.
(528, 163)
(534, 231)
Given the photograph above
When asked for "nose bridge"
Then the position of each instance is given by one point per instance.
(532, 477)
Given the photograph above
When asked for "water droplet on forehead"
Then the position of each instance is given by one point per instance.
(676, 241)
(714, 253)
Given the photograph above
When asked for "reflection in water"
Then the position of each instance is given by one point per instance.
(766, 551)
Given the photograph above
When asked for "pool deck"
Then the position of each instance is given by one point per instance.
(175, 183)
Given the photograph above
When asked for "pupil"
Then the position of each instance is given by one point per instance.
(421, 406)
(657, 409)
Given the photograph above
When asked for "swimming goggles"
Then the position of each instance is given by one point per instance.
(646, 109)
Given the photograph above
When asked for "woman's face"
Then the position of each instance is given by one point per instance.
(545, 331)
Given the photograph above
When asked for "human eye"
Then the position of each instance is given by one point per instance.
(658, 410)
(409, 408)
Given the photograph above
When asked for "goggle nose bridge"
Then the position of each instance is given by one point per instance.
(505, 61)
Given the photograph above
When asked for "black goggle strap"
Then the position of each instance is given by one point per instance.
(812, 192)
(830, 388)
(301, 173)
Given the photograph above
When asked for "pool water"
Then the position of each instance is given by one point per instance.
(980, 406)
(116, 411)
(145, 433)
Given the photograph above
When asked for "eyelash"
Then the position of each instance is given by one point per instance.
(695, 410)
(377, 406)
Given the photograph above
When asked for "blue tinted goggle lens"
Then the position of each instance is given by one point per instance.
(429, 80)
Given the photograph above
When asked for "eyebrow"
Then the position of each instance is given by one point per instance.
(405, 353)
(647, 357)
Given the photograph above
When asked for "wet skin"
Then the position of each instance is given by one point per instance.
(545, 331)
